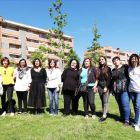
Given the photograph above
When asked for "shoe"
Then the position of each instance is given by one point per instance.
(19, 113)
(74, 114)
(137, 128)
(40, 111)
(64, 115)
(93, 117)
(102, 119)
(51, 114)
(12, 114)
(25, 113)
(86, 117)
(36, 112)
(126, 123)
(4, 113)
(120, 120)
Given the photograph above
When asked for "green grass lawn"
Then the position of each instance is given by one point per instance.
(46, 127)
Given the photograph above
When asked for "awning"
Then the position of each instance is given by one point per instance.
(31, 49)
(32, 38)
(15, 54)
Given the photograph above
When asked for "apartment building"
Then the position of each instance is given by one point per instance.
(19, 41)
(109, 52)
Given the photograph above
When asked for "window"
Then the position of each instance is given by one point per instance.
(45, 37)
(106, 51)
(40, 35)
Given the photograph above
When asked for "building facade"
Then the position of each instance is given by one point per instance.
(19, 41)
(109, 52)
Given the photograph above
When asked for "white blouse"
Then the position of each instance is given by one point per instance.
(53, 78)
(134, 75)
(22, 84)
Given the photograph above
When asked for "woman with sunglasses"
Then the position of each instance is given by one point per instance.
(22, 85)
(8, 85)
(53, 85)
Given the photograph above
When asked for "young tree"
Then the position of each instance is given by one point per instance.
(93, 51)
(71, 55)
(38, 54)
(59, 21)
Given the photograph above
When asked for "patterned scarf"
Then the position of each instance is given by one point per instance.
(22, 72)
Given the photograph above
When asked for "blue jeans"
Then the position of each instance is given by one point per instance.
(53, 95)
(136, 103)
(124, 107)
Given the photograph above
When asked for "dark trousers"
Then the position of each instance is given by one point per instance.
(104, 96)
(9, 89)
(22, 96)
(68, 97)
(88, 100)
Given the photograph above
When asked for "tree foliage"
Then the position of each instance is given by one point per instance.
(94, 52)
(40, 55)
(59, 22)
(71, 55)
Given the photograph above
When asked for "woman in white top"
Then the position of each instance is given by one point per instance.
(134, 86)
(22, 85)
(53, 85)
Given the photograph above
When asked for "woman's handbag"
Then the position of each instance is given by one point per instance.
(83, 87)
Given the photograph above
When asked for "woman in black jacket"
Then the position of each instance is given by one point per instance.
(103, 82)
(69, 79)
(87, 74)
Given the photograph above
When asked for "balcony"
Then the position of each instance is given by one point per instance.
(10, 32)
(11, 40)
(32, 44)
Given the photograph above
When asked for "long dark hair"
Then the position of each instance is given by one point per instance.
(49, 62)
(104, 71)
(40, 65)
(136, 56)
(77, 66)
(24, 66)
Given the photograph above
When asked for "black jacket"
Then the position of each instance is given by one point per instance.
(91, 75)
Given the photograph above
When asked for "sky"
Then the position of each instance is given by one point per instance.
(118, 21)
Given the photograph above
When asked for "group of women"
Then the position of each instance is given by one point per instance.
(123, 81)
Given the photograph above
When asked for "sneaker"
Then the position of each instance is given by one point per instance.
(51, 114)
(12, 114)
(137, 128)
(4, 113)
(93, 117)
(19, 113)
(86, 117)
(102, 119)
(126, 124)
(25, 113)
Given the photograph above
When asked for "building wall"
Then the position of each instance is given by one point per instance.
(109, 52)
(19, 41)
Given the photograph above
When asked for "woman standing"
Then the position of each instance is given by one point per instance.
(103, 81)
(53, 85)
(69, 79)
(87, 74)
(22, 85)
(8, 85)
(120, 81)
(134, 86)
(37, 96)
